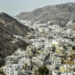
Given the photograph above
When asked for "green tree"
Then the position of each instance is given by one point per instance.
(43, 70)
(73, 47)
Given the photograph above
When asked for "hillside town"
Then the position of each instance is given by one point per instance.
(51, 52)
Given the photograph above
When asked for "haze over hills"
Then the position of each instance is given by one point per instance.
(59, 14)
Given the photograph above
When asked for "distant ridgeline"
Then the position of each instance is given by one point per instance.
(58, 14)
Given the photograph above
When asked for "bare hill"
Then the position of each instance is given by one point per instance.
(59, 14)
(14, 27)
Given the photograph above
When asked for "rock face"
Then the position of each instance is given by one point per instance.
(60, 14)
(14, 27)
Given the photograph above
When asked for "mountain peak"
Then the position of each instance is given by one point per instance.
(3, 13)
(13, 26)
(5, 18)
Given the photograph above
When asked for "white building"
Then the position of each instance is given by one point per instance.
(18, 37)
(11, 69)
(57, 61)
(23, 61)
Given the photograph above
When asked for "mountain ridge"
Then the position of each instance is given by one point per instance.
(13, 26)
(60, 14)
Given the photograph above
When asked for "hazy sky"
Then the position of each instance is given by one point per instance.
(14, 7)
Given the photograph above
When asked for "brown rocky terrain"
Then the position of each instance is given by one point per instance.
(14, 27)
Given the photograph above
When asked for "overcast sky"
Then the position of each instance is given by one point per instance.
(14, 7)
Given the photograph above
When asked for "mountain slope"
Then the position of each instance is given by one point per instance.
(6, 47)
(8, 28)
(14, 27)
(59, 14)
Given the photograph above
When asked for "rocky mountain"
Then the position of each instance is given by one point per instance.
(14, 27)
(6, 47)
(9, 27)
(58, 14)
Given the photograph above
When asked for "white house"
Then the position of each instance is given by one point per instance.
(57, 61)
(11, 69)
